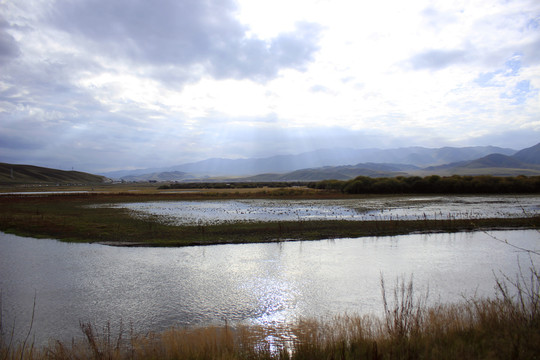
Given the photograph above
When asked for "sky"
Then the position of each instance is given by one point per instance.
(104, 85)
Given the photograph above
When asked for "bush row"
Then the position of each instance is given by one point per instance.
(433, 184)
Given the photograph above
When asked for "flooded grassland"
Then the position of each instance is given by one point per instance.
(178, 219)
(364, 209)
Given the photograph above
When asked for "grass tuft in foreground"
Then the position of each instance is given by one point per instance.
(506, 327)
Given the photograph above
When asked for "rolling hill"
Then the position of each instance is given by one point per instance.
(11, 174)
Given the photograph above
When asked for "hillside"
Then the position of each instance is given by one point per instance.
(497, 160)
(529, 155)
(11, 174)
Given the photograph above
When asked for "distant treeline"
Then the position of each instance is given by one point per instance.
(456, 184)
(434, 184)
(231, 185)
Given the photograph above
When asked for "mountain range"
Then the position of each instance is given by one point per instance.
(524, 162)
(344, 163)
(413, 156)
(341, 164)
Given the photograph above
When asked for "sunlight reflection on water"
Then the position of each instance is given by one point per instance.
(272, 285)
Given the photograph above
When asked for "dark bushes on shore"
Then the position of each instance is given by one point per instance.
(434, 184)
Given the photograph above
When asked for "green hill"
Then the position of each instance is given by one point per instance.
(11, 174)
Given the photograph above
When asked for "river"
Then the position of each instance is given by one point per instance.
(266, 284)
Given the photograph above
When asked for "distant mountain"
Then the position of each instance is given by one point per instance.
(28, 174)
(280, 164)
(422, 157)
(492, 164)
(529, 155)
(497, 160)
(160, 176)
(120, 174)
(384, 167)
(331, 172)
(524, 162)
(417, 156)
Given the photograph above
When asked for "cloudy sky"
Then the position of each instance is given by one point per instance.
(101, 85)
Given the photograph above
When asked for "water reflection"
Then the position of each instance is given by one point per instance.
(266, 284)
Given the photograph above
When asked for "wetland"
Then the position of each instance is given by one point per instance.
(198, 218)
(259, 272)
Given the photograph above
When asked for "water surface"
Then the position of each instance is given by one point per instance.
(361, 209)
(272, 283)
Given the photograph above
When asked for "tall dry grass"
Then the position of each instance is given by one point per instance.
(505, 327)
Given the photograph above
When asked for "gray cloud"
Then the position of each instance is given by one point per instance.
(531, 52)
(438, 59)
(16, 141)
(190, 37)
(438, 19)
(474, 49)
(8, 45)
(320, 89)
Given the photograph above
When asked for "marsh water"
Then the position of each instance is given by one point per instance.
(360, 209)
(273, 284)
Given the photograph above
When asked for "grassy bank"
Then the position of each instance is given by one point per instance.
(75, 218)
(507, 327)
